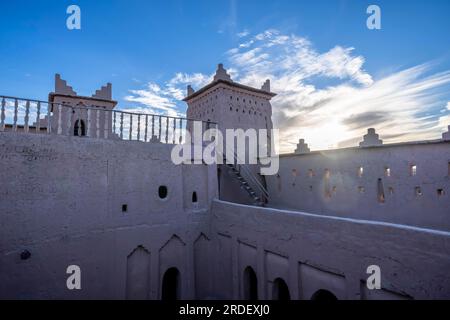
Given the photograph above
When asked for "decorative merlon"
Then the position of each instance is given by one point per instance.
(104, 93)
(371, 139)
(266, 86)
(302, 147)
(221, 74)
(190, 90)
(446, 135)
(61, 86)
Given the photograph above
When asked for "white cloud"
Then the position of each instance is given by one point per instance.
(166, 99)
(243, 34)
(325, 97)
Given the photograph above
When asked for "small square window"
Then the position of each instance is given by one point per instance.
(124, 208)
(413, 170)
(387, 172)
(440, 192)
(360, 171)
(361, 189)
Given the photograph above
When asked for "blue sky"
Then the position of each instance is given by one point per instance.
(395, 79)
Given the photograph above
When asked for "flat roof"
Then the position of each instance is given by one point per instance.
(229, 83)
(387, 145)
(51, 95)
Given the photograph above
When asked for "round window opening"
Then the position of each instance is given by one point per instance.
(162, 192)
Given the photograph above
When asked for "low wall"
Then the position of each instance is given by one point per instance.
(95, 203)
(407, 183)
(313, 252)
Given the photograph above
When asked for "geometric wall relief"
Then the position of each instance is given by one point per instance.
(277, 275)
(172, 269)
(138, 274)
(248, 266)
(203, 268)
(317, 284)
(224, 268)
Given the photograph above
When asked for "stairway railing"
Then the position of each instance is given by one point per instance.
(248, 174)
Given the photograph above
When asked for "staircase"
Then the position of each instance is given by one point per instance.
(244, 185)
(248, 181)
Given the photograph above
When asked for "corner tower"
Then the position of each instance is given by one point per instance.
(231, 105)
(76, 112)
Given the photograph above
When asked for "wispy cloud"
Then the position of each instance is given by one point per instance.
(243, 34)
(166, 99)
(328, 97)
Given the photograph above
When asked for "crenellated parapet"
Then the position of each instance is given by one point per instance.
(104, 93)
(61, 86)
(302, 147)
(371, 139)
(222, 74)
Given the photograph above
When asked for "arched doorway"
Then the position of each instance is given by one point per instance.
(171, 285)
(250, 284)
(280, 290)
(323, 295)
(79, 125)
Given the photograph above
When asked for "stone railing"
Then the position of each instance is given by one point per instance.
(43, 117)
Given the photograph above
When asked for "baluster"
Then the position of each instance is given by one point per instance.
(146, 127)
(89, 123)
(49, 118)
(153, 126)
(167, 130)
(59, 119)
(121, 125)
(27, 116)
(114, 122)
(69, 120)
(106, 116)
(3, 115)
(38, 116)
(181, 131)
(16, 110)
(139, 128)
(159, 137)
(131, 128)
(98, 123)
(174, 129)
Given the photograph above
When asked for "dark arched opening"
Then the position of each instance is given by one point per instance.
(280, 290)
(162, 192)
(171, 285)
(250, 284)
(323, 295)
(79, 128)
(194, 197)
